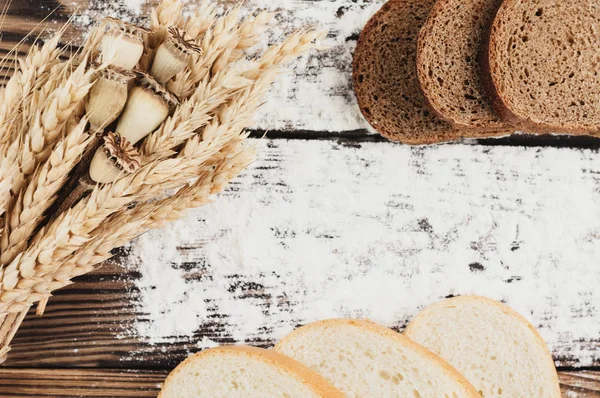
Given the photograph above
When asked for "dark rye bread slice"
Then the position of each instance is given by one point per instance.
(385, 77)
(448, 68)
(543, 65)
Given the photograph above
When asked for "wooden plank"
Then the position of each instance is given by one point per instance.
(401, 226)
(146, 383)
(79, 383)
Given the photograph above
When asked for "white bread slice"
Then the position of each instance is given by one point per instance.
(493, 346)
(247, 372)
(363, 359)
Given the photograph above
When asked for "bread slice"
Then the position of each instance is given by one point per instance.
(363, 359)
(385, 77)
(244, 372)
(450, 44)
(543, 64)
(494, 347)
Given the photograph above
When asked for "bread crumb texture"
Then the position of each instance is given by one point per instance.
(244, 372)
(494, 347)
(385, 76)
(365, 360)
(448, 64)
(544, 63)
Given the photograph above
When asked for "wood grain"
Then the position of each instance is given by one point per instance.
(114, 383)
(79, 383)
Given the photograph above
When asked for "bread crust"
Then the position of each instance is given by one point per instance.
(489, 62)
(493, 129)
(391, 335)
(502, 307)
(295, 369)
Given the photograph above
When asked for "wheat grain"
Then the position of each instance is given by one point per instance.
(39, 194)
(9, 168)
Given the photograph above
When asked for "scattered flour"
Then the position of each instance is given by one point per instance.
(317, 230)
(321, 83)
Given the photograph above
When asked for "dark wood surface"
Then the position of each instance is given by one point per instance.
(32, 382)
(80, 346)
(77, 348)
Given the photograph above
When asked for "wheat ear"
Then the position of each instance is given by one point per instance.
(168, 13)
(39, 194)
(201, 20)
(216, 41)
(193, 113)
(70, 230)
(249, 33)
(18, 89)
(48, 122)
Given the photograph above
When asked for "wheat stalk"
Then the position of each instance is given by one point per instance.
(39, 194)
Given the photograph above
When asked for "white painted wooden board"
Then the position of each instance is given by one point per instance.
(380, 230)
(318, 94)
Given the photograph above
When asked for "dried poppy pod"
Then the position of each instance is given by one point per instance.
(107, 97)
(172, 56)
(147, 107)
(122, 44)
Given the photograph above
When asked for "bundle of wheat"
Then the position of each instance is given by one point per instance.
(125, 134)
